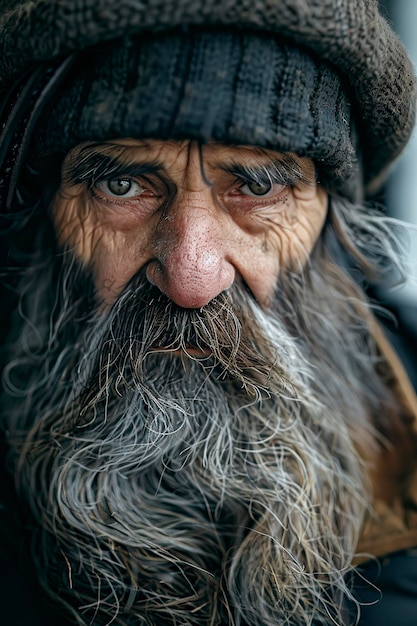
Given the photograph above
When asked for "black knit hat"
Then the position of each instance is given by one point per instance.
(293, 86)
(229, 87)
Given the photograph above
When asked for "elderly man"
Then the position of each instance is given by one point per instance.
(204, 422)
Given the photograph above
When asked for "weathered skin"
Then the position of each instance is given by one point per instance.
(196, 227)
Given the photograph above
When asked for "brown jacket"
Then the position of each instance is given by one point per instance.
(392, 525)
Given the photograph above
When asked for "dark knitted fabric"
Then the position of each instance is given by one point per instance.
(242, 89)
(350, 34)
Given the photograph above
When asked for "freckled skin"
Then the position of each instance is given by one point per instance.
(194, 238)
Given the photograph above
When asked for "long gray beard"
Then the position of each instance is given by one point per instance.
(175, 490)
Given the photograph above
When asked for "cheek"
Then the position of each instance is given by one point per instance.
(114, 255)
(296, 236)
(114, 262)
(286, 243)
(76, 225)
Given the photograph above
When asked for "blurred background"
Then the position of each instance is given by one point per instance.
(401, 203)
(401, 192)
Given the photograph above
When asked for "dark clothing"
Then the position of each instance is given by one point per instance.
(387, 590)
(22, 601)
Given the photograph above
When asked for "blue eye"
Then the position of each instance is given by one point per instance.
(120, 187)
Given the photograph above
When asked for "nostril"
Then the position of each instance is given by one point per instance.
(189, 286)
(154, 274)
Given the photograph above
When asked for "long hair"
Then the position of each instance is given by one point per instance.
(218, 489)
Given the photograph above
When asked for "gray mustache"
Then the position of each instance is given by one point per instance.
(144, 321)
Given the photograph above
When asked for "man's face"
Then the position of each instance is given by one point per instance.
(194, 219)
(174, 438)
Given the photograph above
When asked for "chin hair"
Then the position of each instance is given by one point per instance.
(206, 490)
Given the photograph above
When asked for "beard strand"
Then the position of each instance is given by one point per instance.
(222, 488)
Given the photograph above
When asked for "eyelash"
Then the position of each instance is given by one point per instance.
(262, 177)
(246, 199)
(93, 169)
(92, 173)
(117, 173)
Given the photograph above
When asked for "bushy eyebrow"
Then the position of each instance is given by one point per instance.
(285, 170)
(94, 166)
